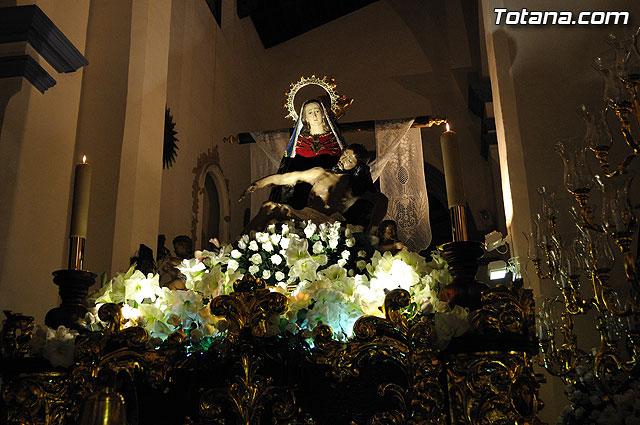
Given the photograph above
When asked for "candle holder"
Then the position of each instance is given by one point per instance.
(458, 223)
(462, 259)
(74, 287)
(76, 253)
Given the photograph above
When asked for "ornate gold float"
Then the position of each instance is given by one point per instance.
(389, 372)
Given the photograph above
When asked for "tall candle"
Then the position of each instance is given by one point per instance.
(81, 191)
(452, 167)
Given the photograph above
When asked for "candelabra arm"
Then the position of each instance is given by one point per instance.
(537, 265)
(610, 301)
(633, 347)
(570, 338)
(632, 277)
(636, 101)
(587, 222)
(602, 154)
(622, 167)
(622, 112)
(573, 300)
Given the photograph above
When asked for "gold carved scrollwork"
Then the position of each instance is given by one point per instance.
(505, 310)
(417, 396)
(492, 388)
(252, 393)
(102, 356)
(37, 398)
(16, 333)
(249, 308)
(247, 396)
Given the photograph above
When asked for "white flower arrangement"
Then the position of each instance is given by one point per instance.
(55, 345)
(335, 283)
(589, 406)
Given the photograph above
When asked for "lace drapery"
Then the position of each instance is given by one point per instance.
(266, 154)
(400, 167)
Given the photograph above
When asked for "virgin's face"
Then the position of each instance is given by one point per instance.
(313, 113)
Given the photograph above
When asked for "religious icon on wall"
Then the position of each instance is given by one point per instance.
(170, 147)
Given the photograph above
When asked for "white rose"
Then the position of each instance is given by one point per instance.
(253, 269)
(317, 247)
(284, 242)
(266, 274)
(350, 242)
(276, 259)
(253, 246)
(345, 254)
(285, 229)
(310, 229)
(262, 237)
(267, 246)
(275, 238)
(232, 265)
(59, 346)
(256, 259)
(333, 243)
(342, 262)
(279, 276)
(361, 264)
(242, 243)
(236, 254)
(362, 254)
(271, 228)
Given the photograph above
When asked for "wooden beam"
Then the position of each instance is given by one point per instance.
(419, 122)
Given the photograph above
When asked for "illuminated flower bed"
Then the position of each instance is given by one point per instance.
(326, 276)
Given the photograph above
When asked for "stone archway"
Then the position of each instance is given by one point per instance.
(208, 165)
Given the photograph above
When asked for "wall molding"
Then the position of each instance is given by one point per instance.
(29, 23)
(25, 66)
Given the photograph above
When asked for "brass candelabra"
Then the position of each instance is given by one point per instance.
(582, 267)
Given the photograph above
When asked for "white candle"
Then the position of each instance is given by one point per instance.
(81, 192)
(452, 167)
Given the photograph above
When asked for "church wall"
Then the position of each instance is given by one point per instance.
(215, 89)
(140, 174)
(38, 136)
(544, 73)
(397, 59)
(102, 119)
(115, 116)
(120, 127)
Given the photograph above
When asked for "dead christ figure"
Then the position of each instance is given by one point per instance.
(344, 193)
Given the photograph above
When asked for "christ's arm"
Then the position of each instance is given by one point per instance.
(310, 176)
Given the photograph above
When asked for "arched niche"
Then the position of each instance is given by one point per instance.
(209, 181)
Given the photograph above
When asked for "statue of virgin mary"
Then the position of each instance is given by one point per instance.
(315, 142)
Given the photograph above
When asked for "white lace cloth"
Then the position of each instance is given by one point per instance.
(266, 154)
(400, 167)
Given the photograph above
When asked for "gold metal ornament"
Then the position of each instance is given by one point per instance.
(492, 388)
(104, 407)
(328, 84)
(38, 398)
(17, 330)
